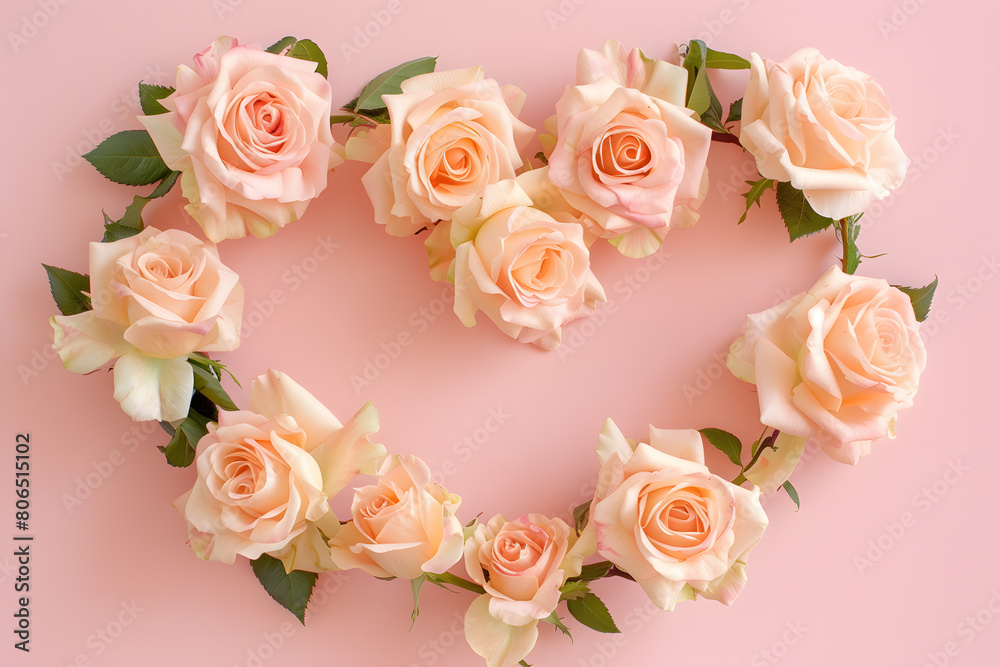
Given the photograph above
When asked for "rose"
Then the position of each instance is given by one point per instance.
(834, 364)
(521, 564)
(634, 163)
(250, 132)
(660, 515)
(157, 297)
(265, 476)
(631, 69)
(450, 135)
(528, 272)
(824, 127)
(403, 526)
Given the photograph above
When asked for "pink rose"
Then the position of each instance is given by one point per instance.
(633, 162)
(834, 364)
(662, 516)
(824, 127)
(157, 297)
(521, 564)
(451, 134)
(403, 526)
(525, 270)
(265, 476)
(250, 132)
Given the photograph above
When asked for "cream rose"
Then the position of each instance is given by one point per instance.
(265, 476)
(157, 297)
(529, 273)
(834, 364)
(402, 526)
(521, 564)
(632, 162)
(662, 516)
(451, 134)
(824, 127)
(250, 132)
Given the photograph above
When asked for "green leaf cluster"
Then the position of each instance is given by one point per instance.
(303, 49)
(131, 222)
(208, 397)
(701, 98)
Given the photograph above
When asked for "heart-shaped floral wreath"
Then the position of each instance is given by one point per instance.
(247, 131)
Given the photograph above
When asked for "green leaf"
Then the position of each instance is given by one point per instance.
(921, 298)
(216, 367)
(131, 222)
(590, 611)
(735, 111)
(129, 158)
(573, 590)
(792, 493)
(376, 116)
(181, 449)
(712, 119)
(723, 60)
(594, 571)
(208, 385)
(753, 195)
(306, 49)
(455, 580)
(581, 515)
(800, 218)
(554, 619)
(416, 585)
(849, 238)
(388, 82)
(70, 290)
(164, 186)
(725, 442)
(700, 97)
(281, 45)
(150, 96)
(289, 589)
(346, 118)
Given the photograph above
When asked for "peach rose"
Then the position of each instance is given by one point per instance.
(521, 564)
(157, 297)
(631, 69)
(403, 526)
(525, 270)
(662, 516)
(633, 162)
(834, 364)
(824, 127)
(250, 132)
(451, 134)
(265, 476)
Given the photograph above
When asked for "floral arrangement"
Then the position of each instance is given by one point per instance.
(247, 133)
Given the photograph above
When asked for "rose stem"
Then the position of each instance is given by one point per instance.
(725, 138)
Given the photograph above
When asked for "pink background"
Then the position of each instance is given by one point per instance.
(843, 581)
